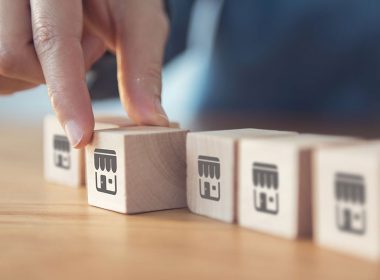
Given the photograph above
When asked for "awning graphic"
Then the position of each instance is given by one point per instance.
(349, 188)
(209, 167)
(105, 160)
(61, 143)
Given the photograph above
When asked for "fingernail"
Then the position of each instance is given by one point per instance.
(74, 133)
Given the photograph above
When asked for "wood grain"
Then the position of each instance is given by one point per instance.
(212, 170)
(347, 199)
(275, 182)
(63, 164)
(137, 169)
(49, 232)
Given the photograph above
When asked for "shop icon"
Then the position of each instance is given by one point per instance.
(265, 190)
(61, 152)
(209, 175)
(350, 214)
(105, 169)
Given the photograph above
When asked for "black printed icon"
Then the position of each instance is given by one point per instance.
(350, 214)
(209, 173)
(61, 152)
(105, 166)
(265, 190)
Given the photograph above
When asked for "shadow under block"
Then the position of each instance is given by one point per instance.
(137, 169)
(274, 193)
(62, 163)
(211, 170)
(347, 199)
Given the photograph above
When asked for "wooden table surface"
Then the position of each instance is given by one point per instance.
(49, 232)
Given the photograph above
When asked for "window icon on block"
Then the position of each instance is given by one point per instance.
(61, 152)
(350, 214)
(105, 169)
(209, 175)
(265, 190)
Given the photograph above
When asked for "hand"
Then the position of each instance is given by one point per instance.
(55, 42)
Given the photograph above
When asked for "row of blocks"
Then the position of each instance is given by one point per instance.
(281, 183)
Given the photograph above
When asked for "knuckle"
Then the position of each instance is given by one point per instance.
(153, 72)
(149, 78)
(6, 92)
(8, 60)
(44, 36)
(10, 86)
(152, 76)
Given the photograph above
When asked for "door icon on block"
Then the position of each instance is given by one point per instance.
(350, 214)
(105, 171)
(209, 175)
(265, 188)
(61, 152)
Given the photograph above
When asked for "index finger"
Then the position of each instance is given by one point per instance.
(57, 31)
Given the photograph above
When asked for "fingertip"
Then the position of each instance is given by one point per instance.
(146, 117)
(145, 109)
(161, 117)
(87, 137)
(78, 133)
(154, 120)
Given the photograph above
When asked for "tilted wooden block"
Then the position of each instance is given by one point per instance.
(137, 169)
(62, 163)
(347, 199)
(274, 194)
(211, 170)
(110, 121)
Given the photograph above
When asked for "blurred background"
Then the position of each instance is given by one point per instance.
(310, 66)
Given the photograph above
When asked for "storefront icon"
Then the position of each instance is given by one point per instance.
(350, 200)
(105, 169)
(61, 152)
(265, 190)
(209, 176)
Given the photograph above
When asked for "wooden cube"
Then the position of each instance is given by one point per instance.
(137, 169)
(274, 194)
(211, 170)
(347, 199)
(62, 163)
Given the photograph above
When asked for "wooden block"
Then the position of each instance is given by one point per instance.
(347, 199)
(109, 121)
(211, 170)
(62, 163)
(137, 169)
(274, 194)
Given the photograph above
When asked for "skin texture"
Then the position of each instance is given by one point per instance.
(56, 42)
